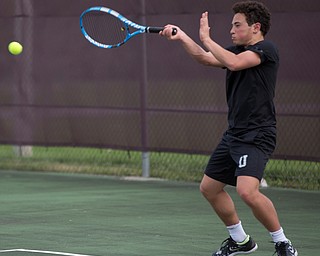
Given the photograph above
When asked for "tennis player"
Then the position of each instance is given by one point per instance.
(240, 158)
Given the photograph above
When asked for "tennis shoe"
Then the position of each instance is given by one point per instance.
(229, 247)
(285, 249)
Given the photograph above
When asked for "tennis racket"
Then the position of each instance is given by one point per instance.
(106, 28)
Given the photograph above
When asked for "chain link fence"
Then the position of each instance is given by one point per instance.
(91, 110)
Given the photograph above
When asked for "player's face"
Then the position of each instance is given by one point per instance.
(241, 32)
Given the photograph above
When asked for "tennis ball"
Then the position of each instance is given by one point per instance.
(15, 48)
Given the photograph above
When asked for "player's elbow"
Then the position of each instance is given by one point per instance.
(240, 64)
(206, 59)
(212, 62)
(233, 66)
(206, 63)
(201, 60)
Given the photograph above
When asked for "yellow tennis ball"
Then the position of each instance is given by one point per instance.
(15, 48)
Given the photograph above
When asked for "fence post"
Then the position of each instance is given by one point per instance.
(143, 94)
(146, 164)
(23, 151)
(23, 32)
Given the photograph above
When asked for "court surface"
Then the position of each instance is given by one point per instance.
(85, 215)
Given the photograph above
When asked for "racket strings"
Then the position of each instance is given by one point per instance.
(104, 28)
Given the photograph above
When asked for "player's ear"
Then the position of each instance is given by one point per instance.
(256, 27)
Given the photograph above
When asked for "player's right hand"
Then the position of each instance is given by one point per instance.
(168, 32)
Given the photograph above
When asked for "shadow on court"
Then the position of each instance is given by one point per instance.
(72, 214)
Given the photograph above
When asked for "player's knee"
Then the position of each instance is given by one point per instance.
(247, 195)
(248, 189)
(207, 191)
(244, 194)
(211, 188)
(204, 189)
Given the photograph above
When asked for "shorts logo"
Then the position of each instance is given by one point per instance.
(243, 161)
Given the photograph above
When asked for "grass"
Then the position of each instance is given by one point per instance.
(293, 174)
(172, 166)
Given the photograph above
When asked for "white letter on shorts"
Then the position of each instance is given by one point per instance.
(243, 161)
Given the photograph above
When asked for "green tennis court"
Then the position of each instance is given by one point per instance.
(71, 214)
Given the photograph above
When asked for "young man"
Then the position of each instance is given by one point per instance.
(240, 158)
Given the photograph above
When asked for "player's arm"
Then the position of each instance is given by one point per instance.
(228, 59)
(233, 62)
(191, 47)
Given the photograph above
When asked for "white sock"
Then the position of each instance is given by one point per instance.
(237, 233)
(278, 236)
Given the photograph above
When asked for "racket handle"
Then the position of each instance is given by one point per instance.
(158, 29)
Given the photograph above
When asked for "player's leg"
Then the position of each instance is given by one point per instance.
(264, 210)
(238, 242)
(251, 163)
(261, 206)
(219, 172)
(219, 199)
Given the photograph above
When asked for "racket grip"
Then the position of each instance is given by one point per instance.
(158, 29)
(154, 29)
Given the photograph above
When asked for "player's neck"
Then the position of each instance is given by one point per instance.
(255, 39)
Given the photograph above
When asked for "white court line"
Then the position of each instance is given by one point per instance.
(44, 252)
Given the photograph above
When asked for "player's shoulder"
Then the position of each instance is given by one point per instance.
(266, 44)
(236, 48)
(266, 49)
(263, 47)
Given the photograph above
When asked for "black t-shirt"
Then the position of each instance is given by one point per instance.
(250, 92)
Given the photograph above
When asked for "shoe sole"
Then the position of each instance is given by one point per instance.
(252, 250)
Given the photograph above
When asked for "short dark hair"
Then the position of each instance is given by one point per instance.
(254, 12)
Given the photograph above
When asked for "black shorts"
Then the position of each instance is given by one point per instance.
(246, 155)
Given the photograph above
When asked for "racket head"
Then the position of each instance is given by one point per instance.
(106, 28)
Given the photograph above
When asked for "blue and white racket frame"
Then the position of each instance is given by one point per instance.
(139, 28)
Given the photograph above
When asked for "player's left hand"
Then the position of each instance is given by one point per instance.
(204, 31)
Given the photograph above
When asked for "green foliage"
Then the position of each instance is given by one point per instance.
(171, 166)
(293, 174)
